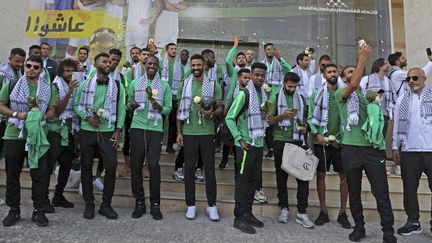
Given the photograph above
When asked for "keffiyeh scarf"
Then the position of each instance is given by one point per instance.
(298, 105)
(274, 74)
(321, 107)
(68, 112)
(19, 100)
(404, 111)
(299, 72)
(138, 71)
(141, 97)
(375, 84)
(7, 71)
(177, 73)
(353, 108)
(110, 106)
(212, 73)
(256, 115)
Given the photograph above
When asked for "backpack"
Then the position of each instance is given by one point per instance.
(223, 133)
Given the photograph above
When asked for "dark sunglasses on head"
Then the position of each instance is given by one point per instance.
(415, 78)
(35, 67)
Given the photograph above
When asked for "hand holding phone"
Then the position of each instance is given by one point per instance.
(428, 52)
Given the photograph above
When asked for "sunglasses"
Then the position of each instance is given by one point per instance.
(414, 78)
(35, 67)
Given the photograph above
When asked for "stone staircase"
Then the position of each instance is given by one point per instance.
(173, 198)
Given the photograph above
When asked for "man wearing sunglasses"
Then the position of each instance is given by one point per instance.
(412, 146)
(14, 105)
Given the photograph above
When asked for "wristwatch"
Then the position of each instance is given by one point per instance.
(14, 114)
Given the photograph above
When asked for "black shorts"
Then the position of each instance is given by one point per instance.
(327, 156)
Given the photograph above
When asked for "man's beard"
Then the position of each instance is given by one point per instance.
(241, 65)
(197, 73)
(103, 71)
(333, 80)
(403, 64)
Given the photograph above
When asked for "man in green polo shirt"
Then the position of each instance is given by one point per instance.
(146, 134)
(200, 100)
(359, 154)
(245, 120)
(14, 105)
(138, 69)
(100, 103)
(61, 129)
(325, 125)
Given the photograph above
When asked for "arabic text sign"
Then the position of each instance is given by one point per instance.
(67, 23)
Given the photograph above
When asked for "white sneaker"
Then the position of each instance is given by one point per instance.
(398, 170)
(304, 220)
(260, 196)
(2, 202)
(283, 216)
(191, 212)
(199, 176)
(212, 213)
(80, 189)
(98, 184)
(178, 174)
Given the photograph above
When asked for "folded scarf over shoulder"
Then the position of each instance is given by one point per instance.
(375, 84)
(110, 106)
(177, 73)
(298, 105)
(69, 112)
(7, 71)
(274, 73)
(256, 115)
(19, 99)
(302, 83)
(141, 96)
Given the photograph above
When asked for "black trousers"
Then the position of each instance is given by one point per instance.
(204, 145)
(226, 151)
(412, 166)
(356, 159)
(144, 143)
(282, 178)
(180, 159)
(269, 137)
(88, 142)
(172, 126)
(126, 143)
(64, 155)
(14, 157)
(2, 131)
(249, 165)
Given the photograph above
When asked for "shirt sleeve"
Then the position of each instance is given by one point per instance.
(314, 129)
(121, 111)
(396, 144)
(167, 103)
(428, 67)
(233, 113)
(285, 66)
(232, 85)
(218, 92)
(81, 114)
(364, 81)
(228, 62)
(312, 65)
(4, 93)
(54, 96)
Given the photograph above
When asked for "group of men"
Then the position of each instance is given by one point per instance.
(263, 102)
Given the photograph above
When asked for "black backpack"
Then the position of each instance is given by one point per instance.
(222, 132)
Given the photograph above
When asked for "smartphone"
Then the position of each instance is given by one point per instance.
(76, 76)
(361, 43)
(429, 52)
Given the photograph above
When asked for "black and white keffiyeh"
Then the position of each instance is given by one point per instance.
(404, 111)
(69, 112)
(318, 81)
(86, 102)
(256, 115)
(374, 83)
(138, 71)
(298, 105)
(177, 73)
(274, 73)
(299, 72)
(19, 100)
(208, 89)
(116, 75)
(7, 71)
(212, 73)
(141, 97)
(353, 108)
(321, 107)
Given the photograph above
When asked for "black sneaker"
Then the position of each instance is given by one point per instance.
(108, 212)
(343, 221)
(39, 217)
(269, 154)
(409, 229)
(12, 218)
(140, 209)
(252, 220)
(389, 238)
(322, 219)
(48, 208)
(243, 226)
(358, 233)
(223, 164)
(60, 201)
(155, 212)
(89, 211)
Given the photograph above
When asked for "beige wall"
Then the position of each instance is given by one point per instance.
(13, 16)
(418, 31)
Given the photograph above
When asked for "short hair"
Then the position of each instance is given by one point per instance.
(133, 48)
(240, 54)
(206, 52)
(300, 57)
(392, 58)
(268, 44)
(45, 43)
(115, 51)
(34, 58)
(157, 59)
(17, 51)
(241, 71)
(377, 64)
(145, 49)
(291, 76)
(185, 51)
(324, 58)
(84, 48)
(197, 56)
(68, 62)
(169, 44)
(342, 74)
(259, 65)
(34, 47)
(330, 65)
(102, 54)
